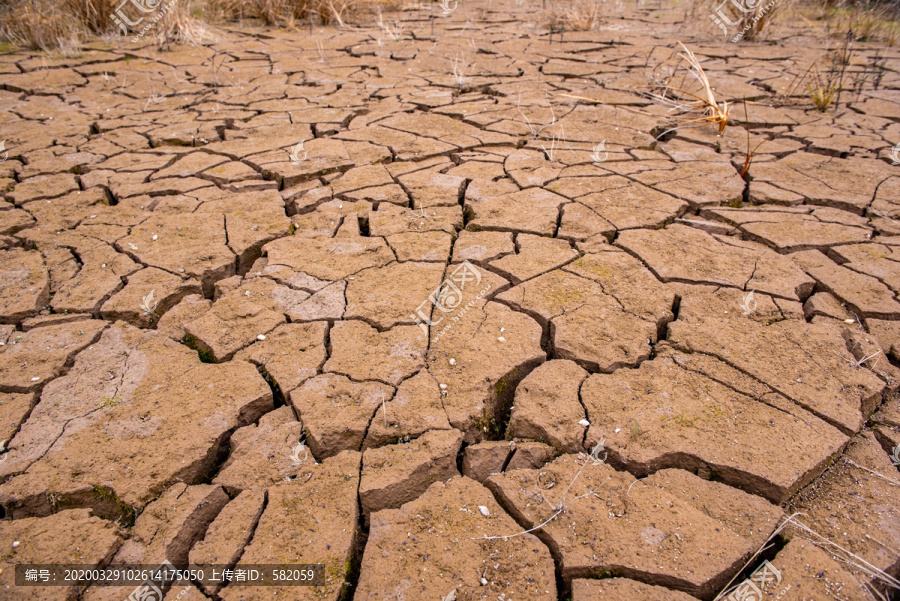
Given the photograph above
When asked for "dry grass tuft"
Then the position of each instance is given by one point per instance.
(40, 26)
(702, 102)
(573, 15)
(92, 14)
(866, 20)
(285, 12)
(177, 26)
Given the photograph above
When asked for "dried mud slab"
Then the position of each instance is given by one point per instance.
(148, 294)
(336, 411)
(229, 533)
(532, 211)
(487, 458)
(388, 296)
(30, 359)
(436, 545)
(547, 406)
(24, 284)
(847, 184)
(240, 317)
(312, 519)
(415, 409)
(74, 536)
(113, 409)
(396, 474)
(264, 454)
(855, 505)
(709, 260)
(804, 362)
(290, 354)
(684, 411)
(622, 589)
(169, 526)
(671, 529)
(806, 570)
(192, 245)
(480, 361)
(794, 230)
(328, 259)
(864, 295)
(602, 311)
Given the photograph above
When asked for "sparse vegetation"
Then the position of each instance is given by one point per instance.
(703, 102)
(573, 15)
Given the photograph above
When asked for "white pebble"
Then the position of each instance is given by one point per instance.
(618, 430)
(15, 544)
(452, 361)
(584, 422)
(483, 581)
(501, 338)
(443, 386)
(261, 337)
(35, 379)
(484, 510)
(154, 237)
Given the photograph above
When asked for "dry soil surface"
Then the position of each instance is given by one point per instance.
(397, 301)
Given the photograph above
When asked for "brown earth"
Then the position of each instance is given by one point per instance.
(478, 336)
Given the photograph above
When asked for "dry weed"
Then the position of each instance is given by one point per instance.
(573, 15)
(39, 25)
(703, 102)
(865, 20)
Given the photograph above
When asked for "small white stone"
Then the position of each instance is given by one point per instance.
(154, 237)
(501, 338)
(584, 422)
(15, 544)
(484, 510)
(443, 386)
(35, 379)
(849, 321)
(452, 361)
(261, 337)
(502, 329)
(618, 430)
(483, 581)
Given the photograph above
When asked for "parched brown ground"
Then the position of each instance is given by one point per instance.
(187, 292)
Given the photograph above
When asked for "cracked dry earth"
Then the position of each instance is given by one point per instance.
(186, 295)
